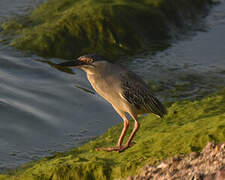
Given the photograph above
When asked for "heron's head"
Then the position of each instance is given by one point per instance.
(86, 61)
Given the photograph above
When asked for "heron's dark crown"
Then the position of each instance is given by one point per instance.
(90, 58)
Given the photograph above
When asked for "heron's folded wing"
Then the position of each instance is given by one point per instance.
(136, 92)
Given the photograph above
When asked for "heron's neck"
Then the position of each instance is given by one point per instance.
(89, 71)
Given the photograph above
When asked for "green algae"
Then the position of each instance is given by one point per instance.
(188, 126)
(68, 28)
(3, 177)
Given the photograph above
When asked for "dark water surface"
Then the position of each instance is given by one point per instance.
(42, 110)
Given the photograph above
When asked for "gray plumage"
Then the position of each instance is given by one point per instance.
(125, 90)
(113, 81)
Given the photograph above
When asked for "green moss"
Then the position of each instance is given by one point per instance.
(188, 127)
(67, 28)
(3, 177)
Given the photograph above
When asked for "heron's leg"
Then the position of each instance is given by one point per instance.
(136, 127)
(125, 127)
(120, 141)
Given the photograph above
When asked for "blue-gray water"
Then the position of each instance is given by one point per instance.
(42, 110)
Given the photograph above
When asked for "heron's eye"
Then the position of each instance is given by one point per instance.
(90, 60)
(87, 60)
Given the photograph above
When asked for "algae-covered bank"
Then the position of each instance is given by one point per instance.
(188, 127)
(68, 28)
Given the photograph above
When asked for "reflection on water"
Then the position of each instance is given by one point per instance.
(44, 109)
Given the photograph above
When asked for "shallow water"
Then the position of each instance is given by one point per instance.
(43, 110)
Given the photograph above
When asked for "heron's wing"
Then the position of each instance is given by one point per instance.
(136, 92)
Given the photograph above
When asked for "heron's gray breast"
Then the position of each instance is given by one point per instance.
(105, 86)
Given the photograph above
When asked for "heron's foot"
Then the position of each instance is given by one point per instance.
(116, 148)
(125, 147)
(108, 149)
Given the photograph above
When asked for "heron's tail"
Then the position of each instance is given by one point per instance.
(158, 108)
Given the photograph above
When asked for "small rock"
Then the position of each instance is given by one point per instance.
(209, 146)
(176, 158)
(210, 177)
(220, 175)
(197, 176)
(144, 173)
(163, 165)
(194, 155)
(222, 146)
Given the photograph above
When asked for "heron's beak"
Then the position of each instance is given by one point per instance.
(72, 63)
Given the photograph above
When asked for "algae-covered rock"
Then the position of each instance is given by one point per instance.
(68, 28)
(188, 126)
